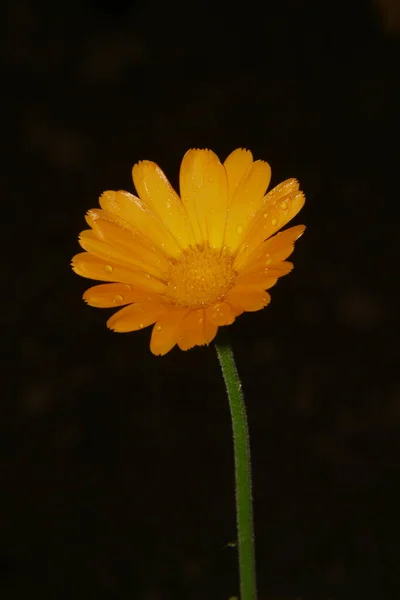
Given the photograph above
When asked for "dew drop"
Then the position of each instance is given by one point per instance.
(108, 269)
(118, 299)
(265, 215)
(158, 328)
(147, 276)
(239, 230)
(284, 205)
(274, 222)
(141, 326)
(201, 321)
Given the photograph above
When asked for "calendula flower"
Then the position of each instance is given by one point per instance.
(191, 263)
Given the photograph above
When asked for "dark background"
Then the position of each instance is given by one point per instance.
(117, 475)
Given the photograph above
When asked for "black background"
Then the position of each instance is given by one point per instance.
(117, 470)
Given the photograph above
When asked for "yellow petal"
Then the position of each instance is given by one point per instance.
(260, 279)
(264, 277)
(247, 200)
(138, 214)
(237, 165)
(167, 331)
(88, 265)
(108, 295)
(247, 298)
(192, 331)
(210, 328)
(221, 313)
(204, 192)
(278, 208)
(155, 190)
(108, 252)
(121, 234)
(274, 250)
(135, 316)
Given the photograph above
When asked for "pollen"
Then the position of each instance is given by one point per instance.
(200, 277)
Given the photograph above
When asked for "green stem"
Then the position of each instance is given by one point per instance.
(241, 448)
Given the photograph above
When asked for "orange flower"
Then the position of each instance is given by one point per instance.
(193, 263)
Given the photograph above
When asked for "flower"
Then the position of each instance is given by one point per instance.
(191, 263)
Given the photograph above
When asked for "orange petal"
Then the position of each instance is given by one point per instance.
(247, 298)
(88, 265)
(221, 313)
(192, 332)
(210, 328)
(167, 331)
(204, 192)
(237, 165)
(138, 214)
(135, 316)
(122, 235)
(261, 279)
(108, 295)
(247, 200)
(276, 210)
(273, 250)
(197, 329)
(264, 277)
(117, 254)
(155, 190)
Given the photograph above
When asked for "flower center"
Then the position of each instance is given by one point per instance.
(200, 277)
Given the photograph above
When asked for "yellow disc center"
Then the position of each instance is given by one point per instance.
(200, 277)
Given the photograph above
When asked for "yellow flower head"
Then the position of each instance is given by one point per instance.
(191, 263)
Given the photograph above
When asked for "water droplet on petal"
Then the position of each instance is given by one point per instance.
(274, 222)
(265, 215)
(201, 321)
(141, 326)
(118, 299)
(108, 269)
(284, 205)
(239, 230)
(158, 328)
(147, 276)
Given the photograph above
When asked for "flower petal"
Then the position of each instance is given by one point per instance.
(138, 214)
(135, 316)
(167, 331)
(246, 202)
(108, 295)
(279, 207)
(192, 332)
(247, 298)
(210, 328)
(204, 192)
(121, 234)
(197, 329)
(274, 250)
(265, 277)
(221, 313)
(111, 252)
(237, 165)
(155, 190)
(92, 267)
